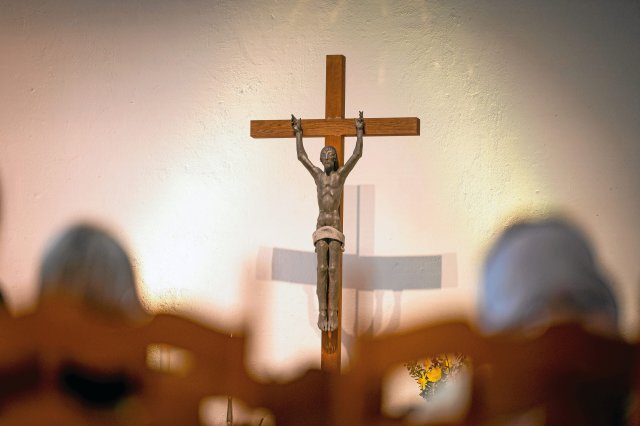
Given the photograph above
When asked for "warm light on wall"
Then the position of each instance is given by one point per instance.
(141, 121)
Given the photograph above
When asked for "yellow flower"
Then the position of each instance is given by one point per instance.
(427, 363)
(447, 361)
(434, 375)
(422, 381)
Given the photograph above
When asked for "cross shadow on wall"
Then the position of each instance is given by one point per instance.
(366, 279)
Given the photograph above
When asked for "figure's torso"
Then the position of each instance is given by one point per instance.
(329, 196)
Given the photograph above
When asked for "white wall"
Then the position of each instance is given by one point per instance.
(136, 114)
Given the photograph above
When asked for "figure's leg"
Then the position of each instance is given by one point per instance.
(322, 249)
(335, 249)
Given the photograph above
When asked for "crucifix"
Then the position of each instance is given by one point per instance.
(334, 127)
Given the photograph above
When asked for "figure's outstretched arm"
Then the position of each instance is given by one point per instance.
(296, 124)
(357, 152)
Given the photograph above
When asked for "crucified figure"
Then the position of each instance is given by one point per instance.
(328, 237)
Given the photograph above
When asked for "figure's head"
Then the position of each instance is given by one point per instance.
(87, 264)
(329, 158)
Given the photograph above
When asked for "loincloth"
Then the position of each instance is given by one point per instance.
(328, 233)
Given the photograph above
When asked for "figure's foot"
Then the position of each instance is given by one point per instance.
(323, 322)
(333, 320)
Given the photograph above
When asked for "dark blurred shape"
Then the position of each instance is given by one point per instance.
(19, 377)
(95, 388)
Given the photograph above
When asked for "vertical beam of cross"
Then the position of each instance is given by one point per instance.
(334, 108)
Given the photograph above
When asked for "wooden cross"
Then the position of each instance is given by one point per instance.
(334, 127)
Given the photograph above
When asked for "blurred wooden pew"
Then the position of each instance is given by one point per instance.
(562, 376)
(65, 365)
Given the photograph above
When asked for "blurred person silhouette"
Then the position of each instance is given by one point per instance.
(544, 271)
(86, 263)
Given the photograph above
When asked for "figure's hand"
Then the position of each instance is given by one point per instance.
(296, 124)
(360, 123)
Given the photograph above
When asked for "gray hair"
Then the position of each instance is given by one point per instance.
(540, 270)
(86, 263)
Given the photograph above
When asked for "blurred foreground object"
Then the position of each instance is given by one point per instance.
(84, 262)
(65, 364)
(564, 376)
(544, 272)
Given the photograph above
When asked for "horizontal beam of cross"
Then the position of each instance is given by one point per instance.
(361, 272)
(401, 126)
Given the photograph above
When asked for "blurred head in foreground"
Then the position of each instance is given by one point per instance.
(86, 263)
(540, 272)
